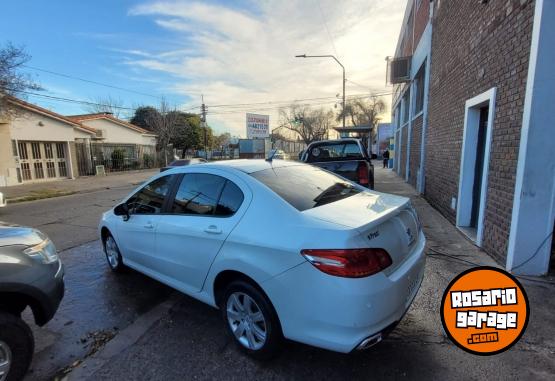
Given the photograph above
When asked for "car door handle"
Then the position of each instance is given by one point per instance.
(213, 229)
(149, 225)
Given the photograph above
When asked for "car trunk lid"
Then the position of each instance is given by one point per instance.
(378, 220)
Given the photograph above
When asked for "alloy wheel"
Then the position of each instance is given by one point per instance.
(5, 360)
(246, 321)
(112, 252)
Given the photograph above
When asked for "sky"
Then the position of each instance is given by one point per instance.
(238, 55)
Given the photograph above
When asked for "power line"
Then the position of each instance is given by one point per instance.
(241, 105)
(75, 101)
(326, 25)
(80, 101)
(90, 81)
(269, 102)
(358, 84)
(277, 107)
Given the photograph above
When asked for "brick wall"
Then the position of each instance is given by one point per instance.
(421, 20)
(415, 143)
(476, 47)
(403, 152)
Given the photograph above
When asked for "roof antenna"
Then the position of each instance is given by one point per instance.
(271, 155)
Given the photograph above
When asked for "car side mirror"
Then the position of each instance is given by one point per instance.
(374, 156)
(122, 210)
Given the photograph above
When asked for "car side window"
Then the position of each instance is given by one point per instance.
(150, 199)
(198, 194)
(230, 200)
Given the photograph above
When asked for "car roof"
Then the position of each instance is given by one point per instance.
(343, 140)
(251, 165)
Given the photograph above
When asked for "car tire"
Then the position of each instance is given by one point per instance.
(113, 255)
(261, 318)
(16, 345)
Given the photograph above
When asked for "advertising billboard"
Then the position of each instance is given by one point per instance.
(258, 126)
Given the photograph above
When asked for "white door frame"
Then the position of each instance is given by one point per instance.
(468, 160)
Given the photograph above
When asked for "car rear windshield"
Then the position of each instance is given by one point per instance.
(334, 151)
(306, 187)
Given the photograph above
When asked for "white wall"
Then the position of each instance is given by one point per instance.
(26, 127)
(116, 133)
(534, 203)
(8, 174)
(80, 134)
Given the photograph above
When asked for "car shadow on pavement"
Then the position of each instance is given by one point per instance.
(192, 342)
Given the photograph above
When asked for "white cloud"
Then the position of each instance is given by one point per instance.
(245, 55)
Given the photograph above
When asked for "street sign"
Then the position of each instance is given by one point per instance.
(258, 126)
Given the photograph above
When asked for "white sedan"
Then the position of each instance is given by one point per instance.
(284, 249)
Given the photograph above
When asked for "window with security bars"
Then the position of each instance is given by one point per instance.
(60, 150)
(35, 149)
(48, 151)
(23, 151)
(39, 170)
(50, 169)
(26, 171)
(62, 170)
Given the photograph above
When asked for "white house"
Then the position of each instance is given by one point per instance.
(39, 145)
(110, 129)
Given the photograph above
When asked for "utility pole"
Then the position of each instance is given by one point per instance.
(205, 127)
(342, 67)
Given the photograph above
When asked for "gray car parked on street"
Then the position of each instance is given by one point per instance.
(31, 275)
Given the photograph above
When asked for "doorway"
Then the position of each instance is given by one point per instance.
(42, 161)
(479, 166)
(473, 177)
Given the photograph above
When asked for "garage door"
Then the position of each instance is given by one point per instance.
(43, 160)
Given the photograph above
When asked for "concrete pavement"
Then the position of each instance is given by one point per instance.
(78, 185)
(189, 341)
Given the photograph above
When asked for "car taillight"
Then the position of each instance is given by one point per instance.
(348, 263)
(363, 174)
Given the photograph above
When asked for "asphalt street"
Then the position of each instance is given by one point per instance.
(69, 220)
(190, 342)
(97, 304)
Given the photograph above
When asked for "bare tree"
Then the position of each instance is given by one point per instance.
(165, 125)
(310, 124)
(106, 104)
(364, 111)
(12, 81)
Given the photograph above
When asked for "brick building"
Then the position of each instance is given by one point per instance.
(473, 93)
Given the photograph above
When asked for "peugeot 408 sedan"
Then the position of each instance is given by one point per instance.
(283, 249)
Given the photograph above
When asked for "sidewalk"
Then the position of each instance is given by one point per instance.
(189, 341)
(35, 191)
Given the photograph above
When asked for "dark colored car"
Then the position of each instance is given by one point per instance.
(182, 162)
(346, 157)
(31, 275)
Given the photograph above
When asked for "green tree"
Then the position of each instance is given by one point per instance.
(143, 115)
(189, 134)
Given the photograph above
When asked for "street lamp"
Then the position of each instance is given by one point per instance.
(342, 67)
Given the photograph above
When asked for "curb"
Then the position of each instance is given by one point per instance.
(123, 340)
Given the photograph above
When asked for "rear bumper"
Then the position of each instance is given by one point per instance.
(338, 313)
